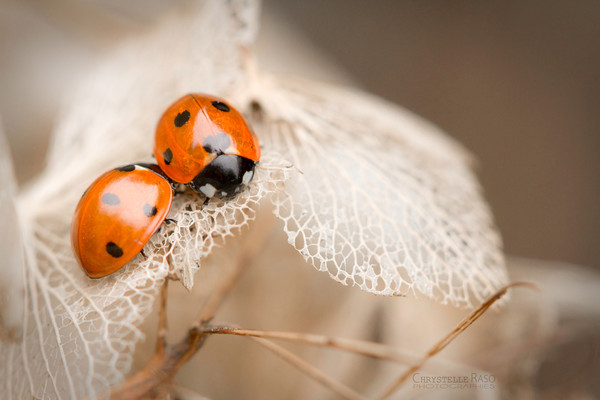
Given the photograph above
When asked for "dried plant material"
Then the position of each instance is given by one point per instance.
(366, 191)
(11, 251)
(384, 200)
(169, 358)
(446, 340)
(198, 229)
(366, 348)
(79, 334)
(335, 387)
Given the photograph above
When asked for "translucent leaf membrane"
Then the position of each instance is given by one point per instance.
(384, 200)
(111, 119)
(369, 193)
(79, 334)
(196, 231)
(11, 250)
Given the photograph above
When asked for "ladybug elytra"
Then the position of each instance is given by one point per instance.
(205, 143)
(200, 141)
(117, 216)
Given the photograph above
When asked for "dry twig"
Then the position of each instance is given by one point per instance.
(446, 340)
(170, 358)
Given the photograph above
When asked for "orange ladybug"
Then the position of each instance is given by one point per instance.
(205, 143)
(117, 215)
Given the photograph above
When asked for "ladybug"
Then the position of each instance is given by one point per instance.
(117, 215)
(205, 143)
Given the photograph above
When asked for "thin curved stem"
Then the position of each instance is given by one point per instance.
(446, 340)
(363, 347)
(314, 373)
(168, 359)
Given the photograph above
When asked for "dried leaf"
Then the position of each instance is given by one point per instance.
(385, 201)
(79, 334)
(375, 196)
(11, 250)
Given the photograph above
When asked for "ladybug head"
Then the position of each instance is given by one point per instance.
(225, 176)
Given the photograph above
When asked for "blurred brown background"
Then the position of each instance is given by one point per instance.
(517, 82)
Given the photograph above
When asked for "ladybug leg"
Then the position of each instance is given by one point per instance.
(178, 188)
(144, 254)
(205, 203)
(167, 221)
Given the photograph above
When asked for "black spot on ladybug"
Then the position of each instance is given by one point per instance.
(111, 199)
(126, 168)
(182, 118)
(114, 250)
(216, 144)
(168, 156)
(221, 106)
(149, 210)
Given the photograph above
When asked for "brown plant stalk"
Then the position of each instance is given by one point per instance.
(168, 359)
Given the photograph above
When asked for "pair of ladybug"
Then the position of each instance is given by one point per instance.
(200, 141)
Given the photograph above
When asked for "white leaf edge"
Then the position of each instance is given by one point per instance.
(385, 200)
(11, 246)
(79, 334)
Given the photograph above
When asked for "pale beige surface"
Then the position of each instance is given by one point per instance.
(516, 82)
(294, 297)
